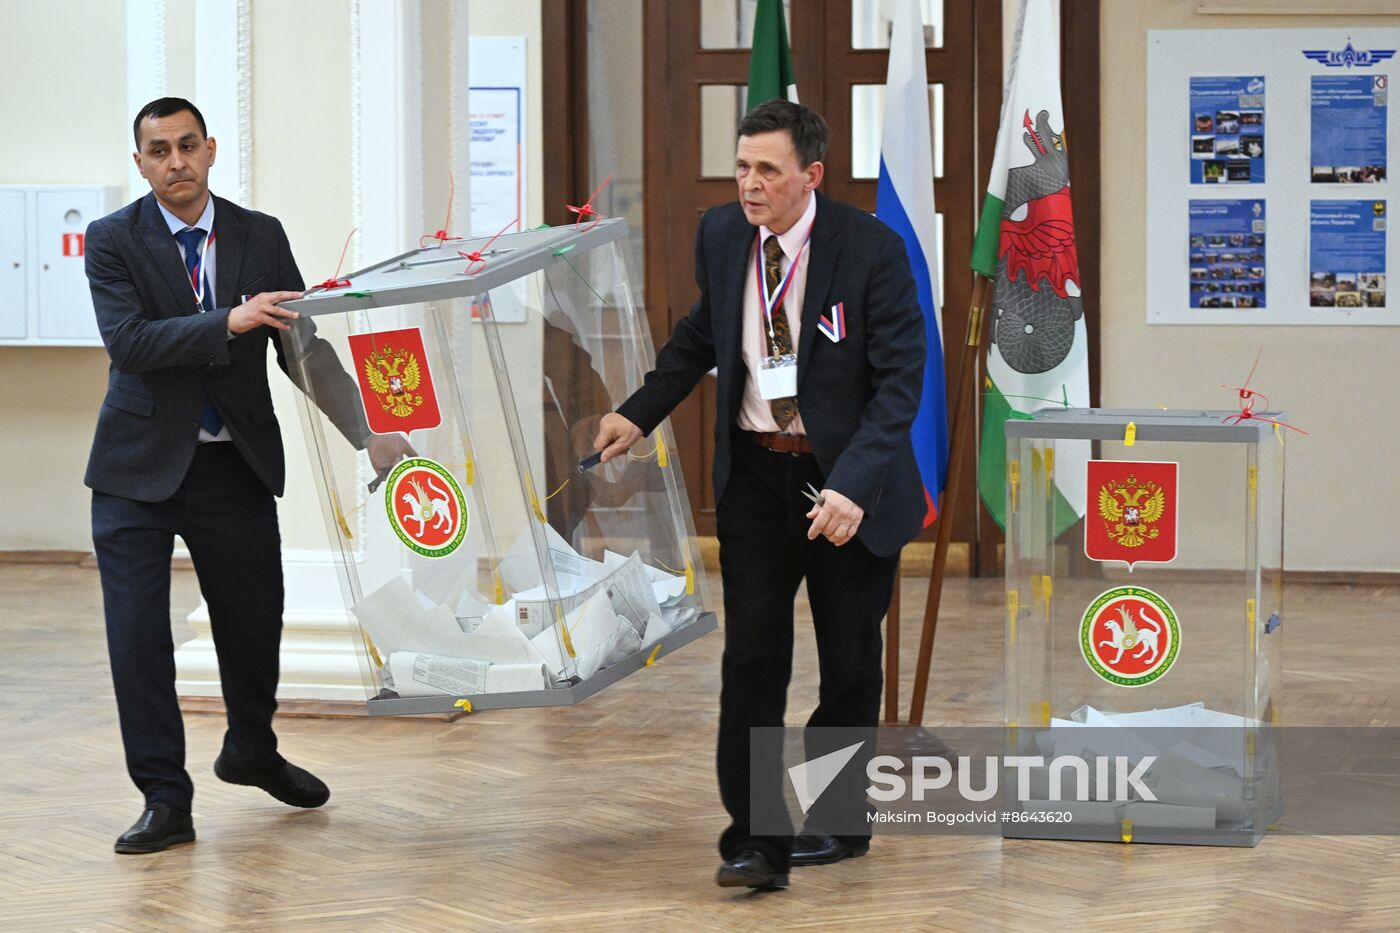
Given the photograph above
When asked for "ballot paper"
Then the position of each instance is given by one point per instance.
(668, 587)
(396, 620)
(626, 585)
(1199, 762)
(417, 675)
(520, 567)
(599, 637)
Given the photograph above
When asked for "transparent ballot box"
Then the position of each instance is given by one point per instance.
(452, 398)
(1143, 640)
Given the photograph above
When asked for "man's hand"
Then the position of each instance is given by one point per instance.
(385, 450)
(262, 309)
(836, 519)
(615, 436)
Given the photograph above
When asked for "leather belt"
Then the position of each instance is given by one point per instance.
(781, 443)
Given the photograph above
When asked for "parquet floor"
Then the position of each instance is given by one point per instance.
(604, 816)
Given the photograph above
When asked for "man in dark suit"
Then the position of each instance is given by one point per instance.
(187, 444)
(789, 273)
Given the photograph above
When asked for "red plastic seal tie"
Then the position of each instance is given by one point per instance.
(336, 281)
(1248, 400)
(475, 262)
(587, 210)
(442, 236)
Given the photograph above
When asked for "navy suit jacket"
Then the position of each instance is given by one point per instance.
(165, 354)
(858, 396)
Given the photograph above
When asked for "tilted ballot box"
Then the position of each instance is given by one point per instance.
(452, 396)
(1143, 642)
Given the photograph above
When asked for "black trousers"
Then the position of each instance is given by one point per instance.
(764, 556)
(228, 519)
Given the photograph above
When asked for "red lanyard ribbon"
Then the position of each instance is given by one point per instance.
(197, 273)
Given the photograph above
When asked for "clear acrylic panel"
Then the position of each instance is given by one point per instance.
(867, 124)
(870, 24)
(1181, 653)
(486, 565)
(728, 24)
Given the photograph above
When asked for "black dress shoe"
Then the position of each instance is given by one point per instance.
(823, 850)
(160, 827)
(750, 869)
(288, 783)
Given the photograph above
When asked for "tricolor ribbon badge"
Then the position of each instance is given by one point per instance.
(834, 327)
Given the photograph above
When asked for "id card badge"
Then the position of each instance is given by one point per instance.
(777, 376)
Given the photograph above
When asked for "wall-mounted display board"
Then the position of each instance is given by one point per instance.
(1268, 176)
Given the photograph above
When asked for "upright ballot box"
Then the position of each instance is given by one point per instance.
(1143, 641)
(451, 394)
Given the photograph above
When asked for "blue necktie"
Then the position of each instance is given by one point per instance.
(192, 240)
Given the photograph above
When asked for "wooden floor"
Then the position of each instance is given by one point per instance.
(604, 816)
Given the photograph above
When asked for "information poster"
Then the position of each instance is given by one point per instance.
(1227, 253)
(1348, 128)
(1227, 130)
(1346, 254)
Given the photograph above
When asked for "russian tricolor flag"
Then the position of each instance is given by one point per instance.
(904, 201)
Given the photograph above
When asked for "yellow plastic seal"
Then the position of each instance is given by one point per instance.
(1013, 609)
(662, 459)
(1127, 830)
(340, 516)
(651, 658)
(464, 705)
(1130, 434)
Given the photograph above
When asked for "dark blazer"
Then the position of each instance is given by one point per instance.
(164, 352)
(858, 397)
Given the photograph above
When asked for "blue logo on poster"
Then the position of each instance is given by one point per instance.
(1349, 57)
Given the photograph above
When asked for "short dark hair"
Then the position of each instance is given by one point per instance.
(165, 107)
(803, 124)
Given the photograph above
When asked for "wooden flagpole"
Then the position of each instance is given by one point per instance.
(892, 654)
(965, 388)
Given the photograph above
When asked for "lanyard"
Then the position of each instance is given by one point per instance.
(197, 273)
(771, 303)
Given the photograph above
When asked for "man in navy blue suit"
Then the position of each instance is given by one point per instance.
(808, 309)
(186, 287)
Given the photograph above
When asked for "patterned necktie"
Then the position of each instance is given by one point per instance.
(784, 409)
(193, 240)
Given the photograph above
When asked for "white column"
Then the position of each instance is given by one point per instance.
(319, 658)
(145, 70)
(223, 90)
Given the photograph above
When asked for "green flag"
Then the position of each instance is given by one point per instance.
(770, 61)
(1025, 242)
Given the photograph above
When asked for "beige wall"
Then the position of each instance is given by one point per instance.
(56, 133)
(1342, 503)
(301, 173)
(1343, 499)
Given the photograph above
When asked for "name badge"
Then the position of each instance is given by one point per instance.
(777, 376)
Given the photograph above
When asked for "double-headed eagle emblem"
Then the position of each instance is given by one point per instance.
(394, 376)
(1126, 516)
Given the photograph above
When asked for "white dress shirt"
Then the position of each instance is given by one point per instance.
(205, 223)
(755, 414)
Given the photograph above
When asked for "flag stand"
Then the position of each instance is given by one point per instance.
(964, 389)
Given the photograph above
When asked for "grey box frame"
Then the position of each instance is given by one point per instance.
(517, 255)
(1108, 424)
